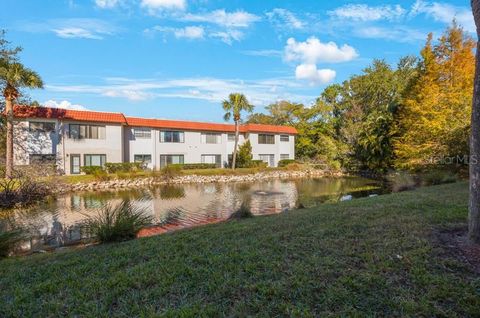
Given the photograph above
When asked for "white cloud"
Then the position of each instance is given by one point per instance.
(314, 51)
(260, 92)
(265, 53)
(64, 104)
(228, 36)
(282, 17)
(107, 4)
(132, 95)
(363, 12)
(69, 33)
(445, 13)
(73, 28)
(153, 6)
(237, 19)
(310, 73)
(394, 33)
(189, 32)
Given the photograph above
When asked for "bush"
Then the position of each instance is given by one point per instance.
(22, 191)
(257, 164)
(124, 167)
(242, 213)
(434, 177)
(244, 156)
(117, 223)
(286, 162)
(9, 240)
(194, 166)
(91, 169)
(401, 181)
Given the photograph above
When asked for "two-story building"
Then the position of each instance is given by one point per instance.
(73, 139)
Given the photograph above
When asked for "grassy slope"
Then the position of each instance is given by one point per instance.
(333, 260)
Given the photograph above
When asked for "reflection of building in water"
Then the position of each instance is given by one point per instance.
(172, 206)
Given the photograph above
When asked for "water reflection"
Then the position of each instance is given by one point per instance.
(173, 207)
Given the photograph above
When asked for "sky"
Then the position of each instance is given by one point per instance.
(179, 59)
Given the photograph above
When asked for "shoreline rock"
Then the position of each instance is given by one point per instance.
(119, 184)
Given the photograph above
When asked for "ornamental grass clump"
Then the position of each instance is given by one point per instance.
(243, 212)
(117, 223)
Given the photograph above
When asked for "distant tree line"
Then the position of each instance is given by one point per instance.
(406, 117)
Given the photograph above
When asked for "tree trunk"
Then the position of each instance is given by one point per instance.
(234, 159)
(9, 158)
(474, 201)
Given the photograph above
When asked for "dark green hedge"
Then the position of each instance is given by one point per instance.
(192, 166)
(124, 167)
(91, 169)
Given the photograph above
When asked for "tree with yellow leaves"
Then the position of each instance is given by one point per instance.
(433, 121)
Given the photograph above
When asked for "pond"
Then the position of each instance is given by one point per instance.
(58, 222)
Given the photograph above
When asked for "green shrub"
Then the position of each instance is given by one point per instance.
(244, 156)
(91, 169)
(111, 167)
(9, 240)
(21, 191)
(434, 177)
(286, 162)
(194, 166)
(401, 181)
(258, 164)
(117, 223)
(242, 213)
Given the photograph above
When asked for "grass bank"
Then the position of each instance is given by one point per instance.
(372, 256)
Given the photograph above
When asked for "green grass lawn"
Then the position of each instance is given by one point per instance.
(367, 257)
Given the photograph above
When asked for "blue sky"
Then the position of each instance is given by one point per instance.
(179, 58)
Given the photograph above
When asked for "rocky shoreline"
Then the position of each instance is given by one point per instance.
(118, 184)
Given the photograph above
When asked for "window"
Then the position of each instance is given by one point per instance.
(166, 160)
(142, 133)
(285, 138)
(284, 156)
(231, 137)
(213, 159)
(41, 126)
(142, 158)
(77, 131)
(42, 159)
(269, 159)
(95, 160)
(266, 139)
(172, 136)
(211, 138)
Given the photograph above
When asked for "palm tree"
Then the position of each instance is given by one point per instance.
(234, 106)
(474, 202)
(13, 76)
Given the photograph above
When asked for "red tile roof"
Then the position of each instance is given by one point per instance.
(118, 118)
(67, 114)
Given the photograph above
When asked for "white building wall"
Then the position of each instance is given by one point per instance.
(111, 146)
(120, 145)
